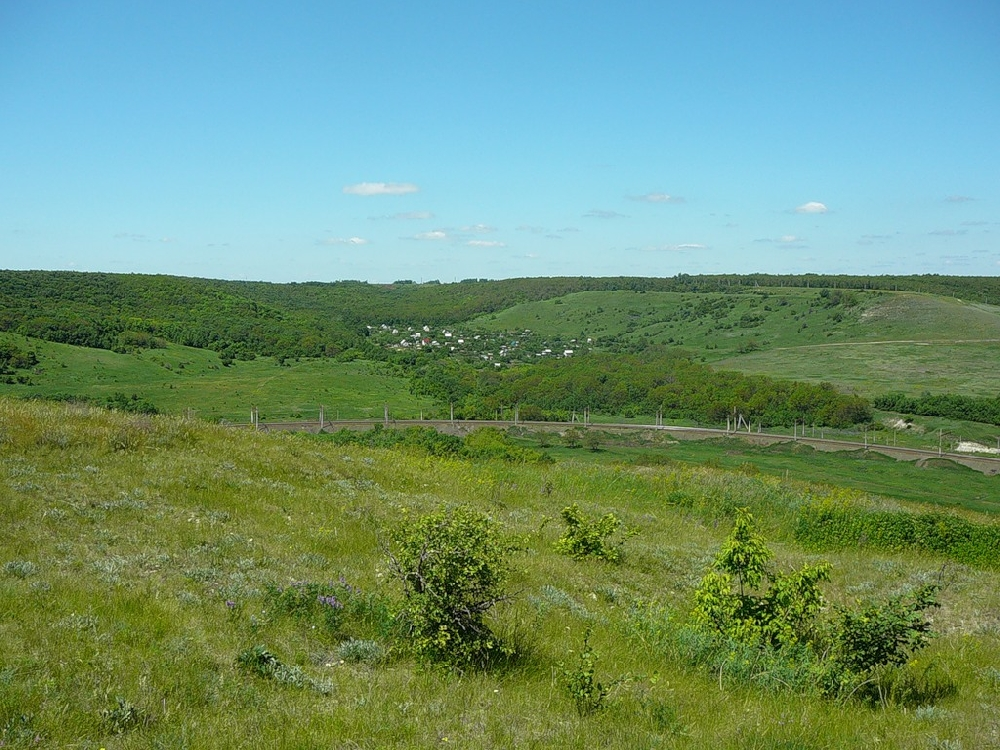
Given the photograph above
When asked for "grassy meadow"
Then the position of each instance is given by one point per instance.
(180, 380)
(884, 341)
(940, 483)
(140, 558)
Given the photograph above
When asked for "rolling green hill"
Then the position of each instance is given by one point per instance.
(179, 379)
(863, 341)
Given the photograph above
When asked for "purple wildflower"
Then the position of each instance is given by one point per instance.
(330, 601)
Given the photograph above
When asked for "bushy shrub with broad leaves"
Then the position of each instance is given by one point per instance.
(453, 566)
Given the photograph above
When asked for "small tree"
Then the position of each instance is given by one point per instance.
(453, 568)
(729, 600)
(592, 537)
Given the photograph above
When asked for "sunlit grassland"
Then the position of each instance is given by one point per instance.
(942, 344)
(869, 369)
(941, 483)
(135, 556)
(177, 379)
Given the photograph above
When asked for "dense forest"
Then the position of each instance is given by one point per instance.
(656, 380)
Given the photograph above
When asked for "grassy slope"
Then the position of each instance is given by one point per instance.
(944, 484)
(179, 378)
(115, 569)
(953, 343)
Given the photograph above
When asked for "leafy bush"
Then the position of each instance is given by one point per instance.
(856, 655)
(867, 644)
(453, 567)
(592, 537)
(726, 602)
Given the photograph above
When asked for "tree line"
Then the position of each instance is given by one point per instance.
(949, 405)
(630, 385)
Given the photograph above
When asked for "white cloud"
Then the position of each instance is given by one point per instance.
(436, 234)
(479, 229)
(812, 207)
(485, 243)
(597, 213)
(656, 198)
(381, 188)
(532, 229)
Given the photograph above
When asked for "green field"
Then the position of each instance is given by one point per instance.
(885, 341)
(139, 558)
(180, 380)
(941, 483)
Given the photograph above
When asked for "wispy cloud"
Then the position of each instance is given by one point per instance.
(785, 239)
(479, 229)
(531, 228)
(597, 213)
(381, 188)
(342, 241)
(131, 236)
(947, 232)
(434, 235)
(656, 198)
(485, 243)
(812, 207)
(974, 223)
(958, 199)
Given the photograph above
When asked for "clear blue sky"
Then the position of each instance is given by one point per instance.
(447, 140)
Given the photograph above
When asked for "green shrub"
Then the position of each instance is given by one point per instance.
(729, 601)
(881, 634)
(453, 566)
(602, 537)
(581, 681)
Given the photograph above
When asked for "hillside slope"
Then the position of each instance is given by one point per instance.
(141, 557)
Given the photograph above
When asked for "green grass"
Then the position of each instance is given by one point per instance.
(177, 379)
(123, 539)
(887, 341)
(939, 482)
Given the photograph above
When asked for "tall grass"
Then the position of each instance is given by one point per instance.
(139, 558)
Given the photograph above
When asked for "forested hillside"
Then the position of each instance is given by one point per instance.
(242, 319)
